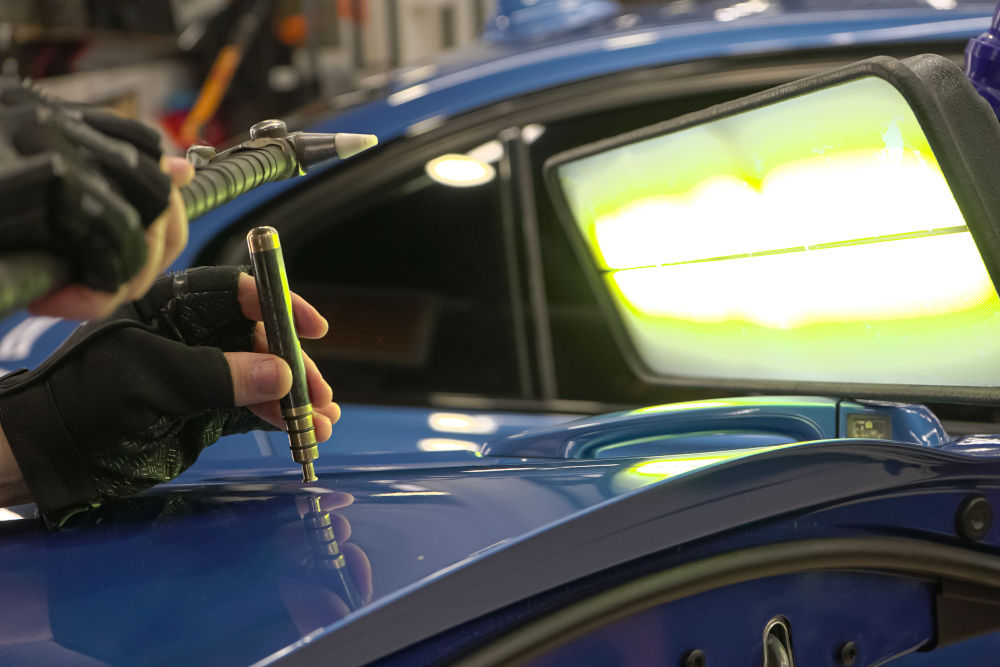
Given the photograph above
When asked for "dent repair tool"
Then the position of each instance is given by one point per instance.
(282, 341)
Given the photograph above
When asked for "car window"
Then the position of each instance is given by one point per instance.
(413, 285)
(588, 363)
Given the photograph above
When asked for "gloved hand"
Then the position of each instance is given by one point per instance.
(87, 186)
(131, 401)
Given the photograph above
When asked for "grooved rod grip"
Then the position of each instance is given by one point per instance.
(228, 178)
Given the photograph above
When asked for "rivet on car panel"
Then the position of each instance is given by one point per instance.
(974, 518)
(695, 658)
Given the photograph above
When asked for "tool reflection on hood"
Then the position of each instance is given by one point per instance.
(326, 554)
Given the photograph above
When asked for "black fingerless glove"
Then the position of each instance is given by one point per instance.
(130, 401)
(79, 183)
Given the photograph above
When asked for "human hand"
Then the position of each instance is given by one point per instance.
(271, 374)
(135, 398)
(165, 238)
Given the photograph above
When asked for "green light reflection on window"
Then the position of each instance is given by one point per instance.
(814, 239)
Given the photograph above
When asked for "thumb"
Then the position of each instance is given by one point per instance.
(180, 170)
(258, 378)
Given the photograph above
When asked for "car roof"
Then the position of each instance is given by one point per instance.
(486, 74)
(647, 25)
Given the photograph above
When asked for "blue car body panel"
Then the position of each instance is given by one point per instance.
(204, 572)
(200, 571)
(703, 426)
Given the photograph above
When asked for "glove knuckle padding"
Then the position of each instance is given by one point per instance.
(86, 184)
(144, 185)
(141, 136)
(131, 402)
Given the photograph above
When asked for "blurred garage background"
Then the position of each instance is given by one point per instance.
(149, 59)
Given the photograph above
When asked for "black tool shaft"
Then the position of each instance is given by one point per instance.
(282, 340)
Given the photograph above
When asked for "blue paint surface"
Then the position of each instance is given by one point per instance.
(218, 571)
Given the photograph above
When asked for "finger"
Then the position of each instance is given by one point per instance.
(77, 302)
(155, 241)
(308, 322)
(360, 568)
(179, 169)
(324, 429)
(323, 421)
(331, 412)
(176, 236)
(270, 412)
(258, 378)
(334, 500)
(320, 391)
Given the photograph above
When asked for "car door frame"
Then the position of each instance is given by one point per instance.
(370, 171)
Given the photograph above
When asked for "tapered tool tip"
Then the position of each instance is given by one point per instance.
(352, 144)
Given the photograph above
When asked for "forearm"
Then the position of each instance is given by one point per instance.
(13, 490)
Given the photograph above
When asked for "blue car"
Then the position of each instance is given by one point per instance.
(571, 435)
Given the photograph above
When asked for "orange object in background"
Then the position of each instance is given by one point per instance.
(353, 10)
(212, 92)
(292, 30)
(242, 35)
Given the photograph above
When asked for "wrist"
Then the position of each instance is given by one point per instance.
(13, 490)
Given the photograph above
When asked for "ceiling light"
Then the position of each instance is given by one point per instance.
(489, 152)
(447, 445)
(460, 171)
(531, 132)
(453, 422)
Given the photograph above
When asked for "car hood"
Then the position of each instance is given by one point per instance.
(220, 570)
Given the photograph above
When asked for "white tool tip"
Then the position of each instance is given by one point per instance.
(352, 144)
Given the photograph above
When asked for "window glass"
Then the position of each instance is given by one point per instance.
(414, 288)
(813, 239)
(589, 365)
